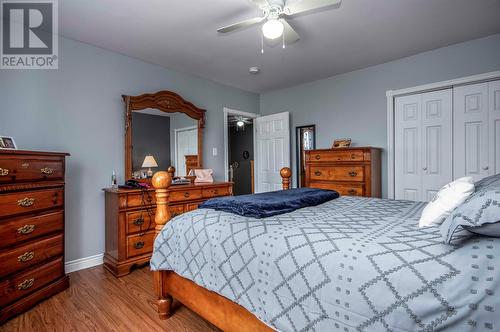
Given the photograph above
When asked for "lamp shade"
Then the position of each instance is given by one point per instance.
(149, 161)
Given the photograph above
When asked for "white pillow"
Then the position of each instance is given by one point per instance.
(446, 200)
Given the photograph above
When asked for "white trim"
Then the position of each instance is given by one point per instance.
(228, 111)
(83, 263)
(176, 130)
(391, 94)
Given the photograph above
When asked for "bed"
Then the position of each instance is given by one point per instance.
(350, 264)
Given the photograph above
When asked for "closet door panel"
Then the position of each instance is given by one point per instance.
(437, 166)
(494, 119)
(470, 127)
(408, 184)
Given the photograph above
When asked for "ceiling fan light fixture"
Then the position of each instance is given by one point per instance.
(273, 29)
(240, 123)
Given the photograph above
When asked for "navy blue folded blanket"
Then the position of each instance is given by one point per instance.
(271, 203)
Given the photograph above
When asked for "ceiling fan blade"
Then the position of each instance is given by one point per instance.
(241, 25)
(302, 6)
(291, 36)
(260, 3)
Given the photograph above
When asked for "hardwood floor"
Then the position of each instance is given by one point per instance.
(97, 301)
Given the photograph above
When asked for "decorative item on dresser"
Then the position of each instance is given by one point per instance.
(31, 229)
(130, 220)
(191, 163)
(350, 171)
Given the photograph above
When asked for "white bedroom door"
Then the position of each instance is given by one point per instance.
(186, 143)
(423, 144)
(470, 126)
(272, 150)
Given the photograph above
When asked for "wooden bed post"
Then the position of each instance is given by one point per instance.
(161, 181)
(286, 173)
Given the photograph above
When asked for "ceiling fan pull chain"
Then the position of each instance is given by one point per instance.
(261, 43)
(283, 39)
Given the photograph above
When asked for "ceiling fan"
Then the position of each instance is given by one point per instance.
(275, 15)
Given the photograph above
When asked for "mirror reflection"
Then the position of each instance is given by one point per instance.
(160, 140)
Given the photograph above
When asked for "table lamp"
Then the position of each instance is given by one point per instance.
(149, 162)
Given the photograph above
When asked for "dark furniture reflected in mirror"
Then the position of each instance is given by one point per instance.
(306, 140)
(161, 130)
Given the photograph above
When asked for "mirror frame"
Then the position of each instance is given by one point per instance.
(165, 101)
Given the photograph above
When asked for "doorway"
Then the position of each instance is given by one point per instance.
(186, 144)
(239, 150)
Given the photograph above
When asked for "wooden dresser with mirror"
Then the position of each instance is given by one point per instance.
(170, 129)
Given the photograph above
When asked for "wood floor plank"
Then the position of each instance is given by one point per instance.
(97, 301)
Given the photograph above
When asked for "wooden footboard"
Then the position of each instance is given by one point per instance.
(217, 309)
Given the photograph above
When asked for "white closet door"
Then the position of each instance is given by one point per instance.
(408, 181)
(437, 165)
(423, 144)
(470, 128)
(272, 150)
(494, 119)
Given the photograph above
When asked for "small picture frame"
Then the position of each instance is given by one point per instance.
(341, 143)
(7, 143)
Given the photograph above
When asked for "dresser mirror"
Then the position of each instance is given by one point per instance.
(162, 130)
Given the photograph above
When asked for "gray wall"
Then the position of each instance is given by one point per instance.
(150, 136)
(239, 141)
(354, 104)
(79, 109)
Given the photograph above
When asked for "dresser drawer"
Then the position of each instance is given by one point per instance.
(176, 210)
(192, 206)
(22, 257)
(176, 196)
(140, 244)
(214, 192)
(138, 221)
(141, 199)
(344, 189)
(337, 173)
(29, 281)
(30, 201)
(14, 169)
(19, 230)
(333, 155)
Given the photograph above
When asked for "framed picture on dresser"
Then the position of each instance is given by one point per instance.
(7, 143)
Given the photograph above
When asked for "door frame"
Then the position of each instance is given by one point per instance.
(391, 98)
(176, 131)
(228, 111)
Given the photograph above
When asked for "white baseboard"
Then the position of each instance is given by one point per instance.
(83, 263)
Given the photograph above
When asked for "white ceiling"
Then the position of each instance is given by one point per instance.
(181, 35)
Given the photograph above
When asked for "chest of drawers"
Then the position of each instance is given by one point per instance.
(130, 225)
(31, 229)
(350, 171)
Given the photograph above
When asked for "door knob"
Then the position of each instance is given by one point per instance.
(424, 168)
(485, 168)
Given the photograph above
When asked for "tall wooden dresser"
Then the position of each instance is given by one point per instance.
(350, 171)
(130, 225)
(31, 229)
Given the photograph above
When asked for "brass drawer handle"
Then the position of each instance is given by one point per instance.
(175, 214)
(216, 192)
(353, 156)
(27, 283)
(317, 173)
(139, 222)
(47, 171)
(26, 202)
(4, 172)
(186, 195)
(352, 191)
(26, 229)
(139, 245)
(353, 173)
(26, 257)
(318, 157)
